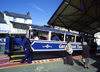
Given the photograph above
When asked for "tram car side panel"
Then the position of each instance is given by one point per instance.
(44, 46)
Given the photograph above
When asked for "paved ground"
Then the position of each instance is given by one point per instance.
(56, 66)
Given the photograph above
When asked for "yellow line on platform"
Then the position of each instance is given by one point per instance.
(28, 64)
(31, 64)
(15, 66)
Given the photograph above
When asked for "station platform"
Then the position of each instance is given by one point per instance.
(49, 65)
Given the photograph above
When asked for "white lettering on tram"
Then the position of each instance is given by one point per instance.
(73, 46)
(62, 46)
(79, 46)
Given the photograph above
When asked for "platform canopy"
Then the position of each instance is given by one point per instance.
(79, 15)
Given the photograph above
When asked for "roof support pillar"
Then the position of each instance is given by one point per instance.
(68, 30)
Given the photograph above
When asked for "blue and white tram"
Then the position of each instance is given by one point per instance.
(46, 46)
(45, 42)
(51, 43)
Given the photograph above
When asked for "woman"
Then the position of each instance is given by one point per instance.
(86, 54)
(69, 60)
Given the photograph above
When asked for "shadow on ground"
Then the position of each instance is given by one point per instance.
(96, 64)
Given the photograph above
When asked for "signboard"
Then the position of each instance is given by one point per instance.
(41, 45)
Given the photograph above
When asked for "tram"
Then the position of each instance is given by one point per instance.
(46, 46)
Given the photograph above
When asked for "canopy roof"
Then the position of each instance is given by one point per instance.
(79, 15)
(20, 25)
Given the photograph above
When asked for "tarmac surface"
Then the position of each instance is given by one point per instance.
(51, 65)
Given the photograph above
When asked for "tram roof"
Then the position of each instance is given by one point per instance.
(53, 30)
(79, 15)
(42, 28)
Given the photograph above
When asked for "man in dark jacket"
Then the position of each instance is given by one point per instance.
(27, 49)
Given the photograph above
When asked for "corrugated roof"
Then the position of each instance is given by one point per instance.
(16, 15)
(79, 15)
(20, 25)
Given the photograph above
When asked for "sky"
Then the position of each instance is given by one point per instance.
(40, 10)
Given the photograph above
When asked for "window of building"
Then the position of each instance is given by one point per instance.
(25, 20)
(14, 19)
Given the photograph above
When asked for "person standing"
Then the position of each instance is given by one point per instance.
(69, 51)
(27, 50)
(86, 54)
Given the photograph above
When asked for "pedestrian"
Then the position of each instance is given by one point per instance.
(86, 54)
(69, 51)
(27, 50)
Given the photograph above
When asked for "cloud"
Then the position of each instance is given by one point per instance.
(37, 7)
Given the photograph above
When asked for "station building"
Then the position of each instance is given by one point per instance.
(9, 19)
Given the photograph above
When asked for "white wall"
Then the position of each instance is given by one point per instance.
(97, 35)
(19, 20)
(28, 21)
(4, 27)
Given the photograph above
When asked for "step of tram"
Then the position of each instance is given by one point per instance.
(16, 58)
(13, 56)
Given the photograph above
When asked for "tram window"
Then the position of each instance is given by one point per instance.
(57, 37)
(42, 38)
(61, 37)
(32, 33)
(78, 39)
(3, 35)
(42, 35)
(18, 35)
(71, 38)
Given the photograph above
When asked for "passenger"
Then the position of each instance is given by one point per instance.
(36, 37)
(55, 37)
(27, 49)
(86, 54)
(69, 51)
